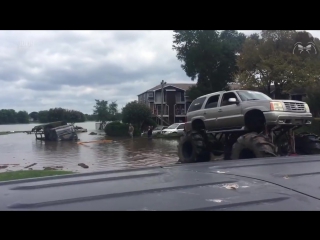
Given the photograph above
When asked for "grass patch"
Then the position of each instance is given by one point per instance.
(7, 176)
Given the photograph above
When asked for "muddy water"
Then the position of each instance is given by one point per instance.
(20, 150)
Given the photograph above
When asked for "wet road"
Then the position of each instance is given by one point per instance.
(21, 150)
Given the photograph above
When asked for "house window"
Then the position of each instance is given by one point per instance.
(180, 110)
(182, 97)
(150, 95)
(158, 96)
(178, 96)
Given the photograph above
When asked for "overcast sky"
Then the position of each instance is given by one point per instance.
(69, 69)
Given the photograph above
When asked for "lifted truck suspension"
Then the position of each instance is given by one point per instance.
(291, 139)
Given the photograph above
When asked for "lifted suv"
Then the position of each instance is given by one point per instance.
(245, 124)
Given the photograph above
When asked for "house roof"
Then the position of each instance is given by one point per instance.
(183, 86)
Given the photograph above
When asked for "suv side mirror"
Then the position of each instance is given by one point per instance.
(232, 100)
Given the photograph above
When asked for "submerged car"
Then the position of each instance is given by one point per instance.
(155, 131)
(158, 130)
(176, 128)
(55, 131)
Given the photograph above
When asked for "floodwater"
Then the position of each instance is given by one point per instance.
(20, 150)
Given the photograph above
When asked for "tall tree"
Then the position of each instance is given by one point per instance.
(22, 117)
(34, 116)
(60, 114)
(135, 113)
(10, 116)
(43, 116)
(209, 56)
(113, 111)
(101, 110)
(268, 60)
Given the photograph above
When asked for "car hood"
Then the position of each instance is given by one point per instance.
(279, 183)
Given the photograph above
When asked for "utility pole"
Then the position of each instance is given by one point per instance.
(162, 84)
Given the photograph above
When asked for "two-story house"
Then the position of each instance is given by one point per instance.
(175, 102)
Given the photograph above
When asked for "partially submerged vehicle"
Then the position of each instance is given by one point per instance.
(80, 129)
(156, 131)
(55, 131)
(176, 129)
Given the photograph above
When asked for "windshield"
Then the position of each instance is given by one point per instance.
(252, 95)
(173, 126)
(158, 128)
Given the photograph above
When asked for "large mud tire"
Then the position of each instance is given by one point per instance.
(253, 145)
(307, 143)
(193, 147)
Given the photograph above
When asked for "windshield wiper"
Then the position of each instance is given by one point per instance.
(252, 99)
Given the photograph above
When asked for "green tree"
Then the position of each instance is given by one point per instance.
(113, 111)
(43, 116)
(34, 116)
(101, 110)
(313, 96)
(8, 116)
(61, 114)
(135, 113)
(268, 60)
(22, 117)
(208, 56)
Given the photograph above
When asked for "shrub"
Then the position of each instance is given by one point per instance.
(118, 129)
(150, 122)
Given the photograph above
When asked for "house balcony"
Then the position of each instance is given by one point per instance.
(179, 110)
(164, 102)
(157, 111)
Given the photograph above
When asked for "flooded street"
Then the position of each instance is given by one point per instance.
(20, 150)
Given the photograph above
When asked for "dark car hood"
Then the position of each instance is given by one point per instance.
(290, 183)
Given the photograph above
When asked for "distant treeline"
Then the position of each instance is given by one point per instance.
(10, 116)
(60, 114)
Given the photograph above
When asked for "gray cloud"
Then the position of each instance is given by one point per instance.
(44, 69)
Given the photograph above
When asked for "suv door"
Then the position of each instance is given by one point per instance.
(230, 114)
(211, 112)
(195, 110)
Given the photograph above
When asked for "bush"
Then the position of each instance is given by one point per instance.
(150, 122)
(118, 129)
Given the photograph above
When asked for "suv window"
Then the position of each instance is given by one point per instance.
(196, 104)
(212, 101)
(225, 98)
(181, 126)
(252, 95)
